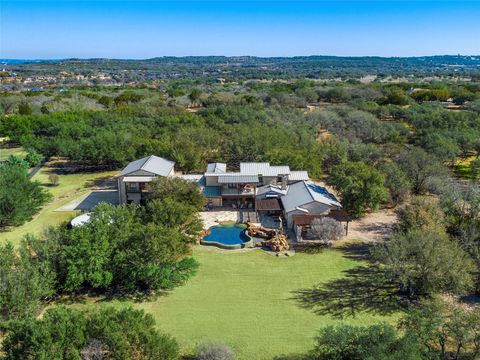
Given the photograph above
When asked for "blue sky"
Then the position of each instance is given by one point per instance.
(143, 29)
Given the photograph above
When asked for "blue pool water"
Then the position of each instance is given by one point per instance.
(229, 234)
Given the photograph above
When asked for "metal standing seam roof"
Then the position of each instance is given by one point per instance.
(263, 168)
(217, 168)
(305, 192)
(237, 178)
(271, 188)
(153, 164)
(298, 175)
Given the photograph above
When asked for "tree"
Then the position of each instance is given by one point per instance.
(423, 213)
(444, 328)
(194, 96)
(105, 101)
(326, 229)
(421, 168)
(178, 189)
(426, 262)
(26, 281)
(131, 334)
(20, 198)
(66, 333)
(44, 109)
(121, 248)
(362, 187)
(33, 158)
(376, 342)
(24, 108)
(397, 183)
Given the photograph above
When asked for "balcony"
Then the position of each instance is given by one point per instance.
(238, 192)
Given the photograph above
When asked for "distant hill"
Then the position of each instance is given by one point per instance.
(248, 67)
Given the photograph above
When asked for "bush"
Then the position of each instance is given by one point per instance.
(24, 108)
(54, 179)
(66, 333)
(33, 158)
(326, 229)
(422, 213)
(212, 351)
(105, 101)
(376, 342)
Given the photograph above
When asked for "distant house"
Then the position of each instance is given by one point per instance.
(133, 180)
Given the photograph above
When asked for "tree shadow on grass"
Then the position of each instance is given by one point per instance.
(89, 296)
(363, 289)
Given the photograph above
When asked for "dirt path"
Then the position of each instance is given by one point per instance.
(372, 227)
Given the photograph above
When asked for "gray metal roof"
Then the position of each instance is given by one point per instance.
(305, 192)
(217, 168)
(263, 168)
(298, 175)
(277, 189)
(153, 164)
(237, 178)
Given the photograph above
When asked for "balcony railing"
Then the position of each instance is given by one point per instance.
(238, 192)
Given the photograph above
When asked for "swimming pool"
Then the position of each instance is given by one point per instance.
(228, 236)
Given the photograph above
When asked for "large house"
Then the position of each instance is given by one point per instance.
(257, 185)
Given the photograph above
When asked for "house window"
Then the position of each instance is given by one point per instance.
(232, 186)
(131, 186)
(260, 179)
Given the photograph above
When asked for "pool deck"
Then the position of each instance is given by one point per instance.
(219, 215)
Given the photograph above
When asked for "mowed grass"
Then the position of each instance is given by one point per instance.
(69, 188)
(246, 300)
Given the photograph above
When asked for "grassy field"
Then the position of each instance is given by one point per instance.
(6, 151)
(463, 169)
(70, 187)
(251, 301)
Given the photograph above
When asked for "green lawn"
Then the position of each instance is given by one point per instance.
(70, 187)
(5, 152)
(246, 300)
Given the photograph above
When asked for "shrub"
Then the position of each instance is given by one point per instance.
(33, 158)
(24, 108)
(376, 342)
(326, 229)
(54, 179)
(105, 101)
(66, 333)
(212, 351)
(422, 213)
(426, 262)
